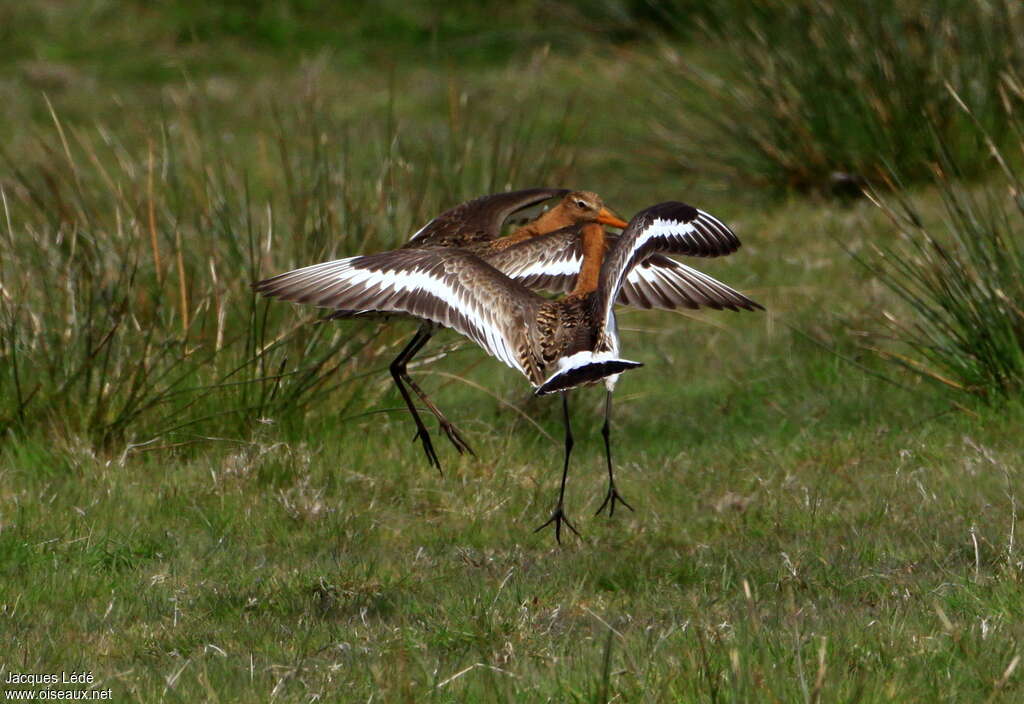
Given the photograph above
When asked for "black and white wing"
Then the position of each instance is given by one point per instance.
(450, 287)
(480, 219)
(672, 228)
(548, 262)
(551, 263)
(662, 282)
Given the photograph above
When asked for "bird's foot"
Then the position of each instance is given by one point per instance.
(609, 500)
(558, 518)
(457, 440)
(428, 446)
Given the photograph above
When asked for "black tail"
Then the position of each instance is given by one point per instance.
(585, 373)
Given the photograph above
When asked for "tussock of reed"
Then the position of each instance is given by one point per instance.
(823, 96)
(127, 253)
(962, 320)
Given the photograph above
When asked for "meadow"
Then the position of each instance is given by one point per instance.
(205, 496)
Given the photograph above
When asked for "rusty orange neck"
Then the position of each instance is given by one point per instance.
(554, 219)
(593, 256)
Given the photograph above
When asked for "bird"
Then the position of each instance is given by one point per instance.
(558, 344)
(476, 225)
(550, 262)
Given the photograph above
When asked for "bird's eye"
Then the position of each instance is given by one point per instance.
(581, 204)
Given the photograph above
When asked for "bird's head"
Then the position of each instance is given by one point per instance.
(586, 206)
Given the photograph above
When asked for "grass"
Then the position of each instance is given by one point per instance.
(141, 42)
(338, 561)
(961, 325)
(825, 97)
(167, 334)
(203, 497)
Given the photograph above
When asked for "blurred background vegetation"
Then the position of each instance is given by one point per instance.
(181, 148)
(157, 157)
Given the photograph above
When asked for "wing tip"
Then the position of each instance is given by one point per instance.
(710, 237)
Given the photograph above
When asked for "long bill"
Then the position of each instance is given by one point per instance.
(607, 217)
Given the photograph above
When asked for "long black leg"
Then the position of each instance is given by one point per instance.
(449, 429)
(559, 517)
(423, 335)
(397, 369)
(606, 431)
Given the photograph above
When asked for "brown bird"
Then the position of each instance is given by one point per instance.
(551, 263)
(557, 344)
(476, 226)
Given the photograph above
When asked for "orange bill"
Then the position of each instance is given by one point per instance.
(607, 217)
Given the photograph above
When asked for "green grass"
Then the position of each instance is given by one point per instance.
(334, 561)
(234, 509)
(960, 283)
(827, 96)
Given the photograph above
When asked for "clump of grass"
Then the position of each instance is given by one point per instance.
(126, 254)
(820, 95)
(962, 283)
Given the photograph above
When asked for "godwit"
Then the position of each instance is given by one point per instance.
(558, 345)
(476, 226)
(551, 263)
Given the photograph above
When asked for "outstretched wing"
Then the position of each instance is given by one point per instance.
(551, 263)
(661, 282)
(480, 219)
(450, 287)
(672, 227)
